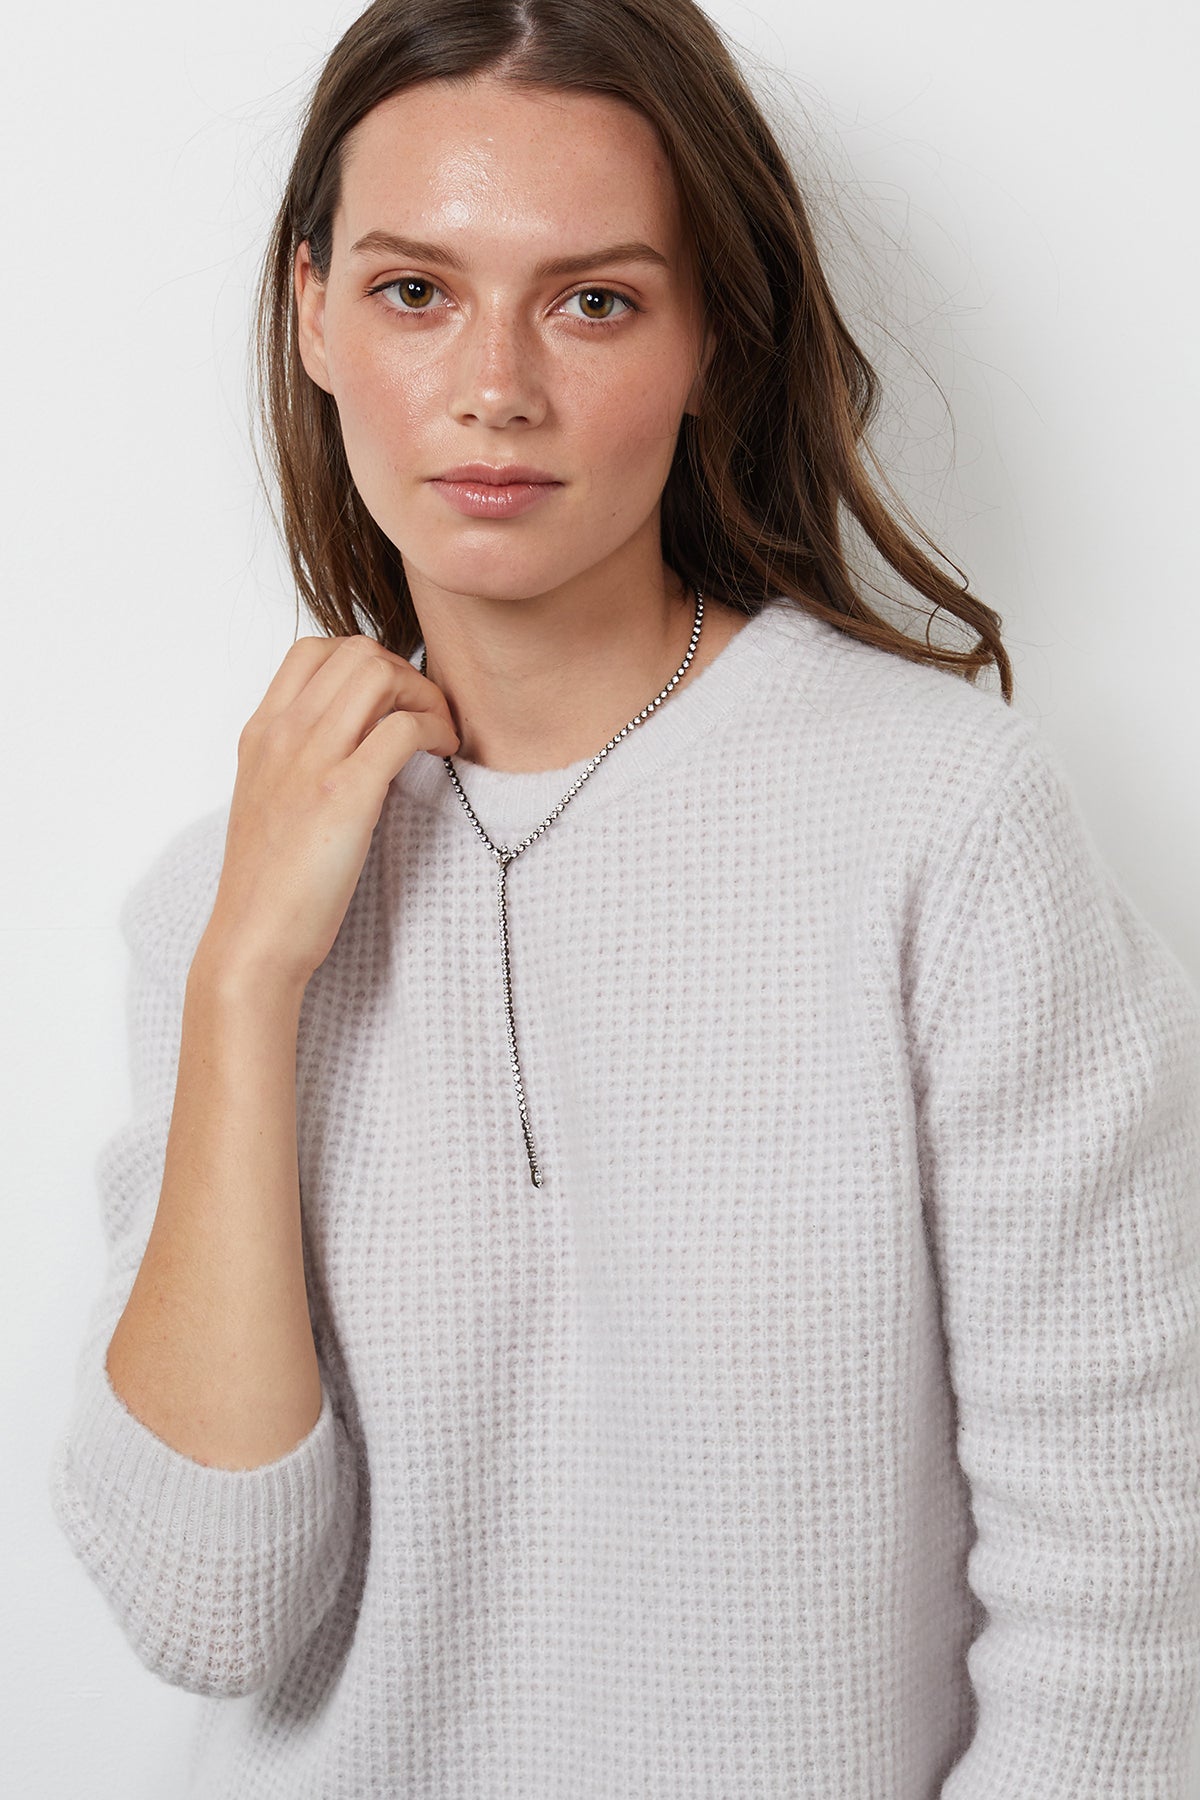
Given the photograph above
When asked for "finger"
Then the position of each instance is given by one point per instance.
(309, 654)
(368, 694)
(323, 687)
(303, 659)
(390, 743)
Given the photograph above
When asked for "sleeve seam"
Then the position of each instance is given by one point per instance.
(990, 802)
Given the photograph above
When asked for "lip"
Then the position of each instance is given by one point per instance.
(496, 474)
(485, 491)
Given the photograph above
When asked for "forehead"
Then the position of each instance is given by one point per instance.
(485, 158)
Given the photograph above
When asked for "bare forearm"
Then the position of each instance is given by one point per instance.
(214, 1351)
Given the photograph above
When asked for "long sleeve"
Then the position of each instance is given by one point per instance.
(1057, 1055)
(217, 1577)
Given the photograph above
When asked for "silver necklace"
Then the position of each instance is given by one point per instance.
(504, 856)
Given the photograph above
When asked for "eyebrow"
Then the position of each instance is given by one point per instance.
(386, 243)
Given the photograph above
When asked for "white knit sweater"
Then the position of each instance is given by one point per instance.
(828, 1423)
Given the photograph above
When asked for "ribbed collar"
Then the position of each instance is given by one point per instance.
(510, 804)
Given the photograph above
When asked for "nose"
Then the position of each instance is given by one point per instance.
(496, 377)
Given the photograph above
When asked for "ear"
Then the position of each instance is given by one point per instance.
(310, 318)
(696, 391)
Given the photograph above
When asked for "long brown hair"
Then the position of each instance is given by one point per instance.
(751, 505)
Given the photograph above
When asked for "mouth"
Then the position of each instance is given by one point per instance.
(492, 493)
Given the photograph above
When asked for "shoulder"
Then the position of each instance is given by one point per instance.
(954, 820)
(164, 913)
(912, 751)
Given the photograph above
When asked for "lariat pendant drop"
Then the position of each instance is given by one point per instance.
(504, 856)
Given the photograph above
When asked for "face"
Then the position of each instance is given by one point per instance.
(460, 347)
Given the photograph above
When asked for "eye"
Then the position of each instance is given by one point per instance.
(405, 286)
(590, 294)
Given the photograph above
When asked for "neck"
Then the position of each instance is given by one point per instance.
(539, 684)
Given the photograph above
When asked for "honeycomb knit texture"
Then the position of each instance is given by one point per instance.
(828, 1423)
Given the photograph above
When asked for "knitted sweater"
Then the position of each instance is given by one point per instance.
(828, 1422)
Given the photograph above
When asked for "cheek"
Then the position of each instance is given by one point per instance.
(381, 401)
(626, 410)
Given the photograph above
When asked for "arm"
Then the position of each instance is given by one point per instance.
(1057, 1077)
(206, 1482)
(214, 1350)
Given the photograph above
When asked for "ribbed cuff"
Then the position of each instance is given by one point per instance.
(141, 1487)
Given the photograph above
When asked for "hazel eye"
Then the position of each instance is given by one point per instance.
(405, 286)
(602, 295)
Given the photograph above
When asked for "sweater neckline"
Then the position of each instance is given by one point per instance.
(511, 803)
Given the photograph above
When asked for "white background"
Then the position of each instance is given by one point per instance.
(1007, 197)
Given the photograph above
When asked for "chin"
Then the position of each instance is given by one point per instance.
(489, 570)
(470, 578)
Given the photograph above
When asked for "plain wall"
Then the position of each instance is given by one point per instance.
(1007, 193)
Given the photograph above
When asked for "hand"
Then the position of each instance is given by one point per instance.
(339, 721)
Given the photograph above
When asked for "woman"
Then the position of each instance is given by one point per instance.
(657, 1247)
